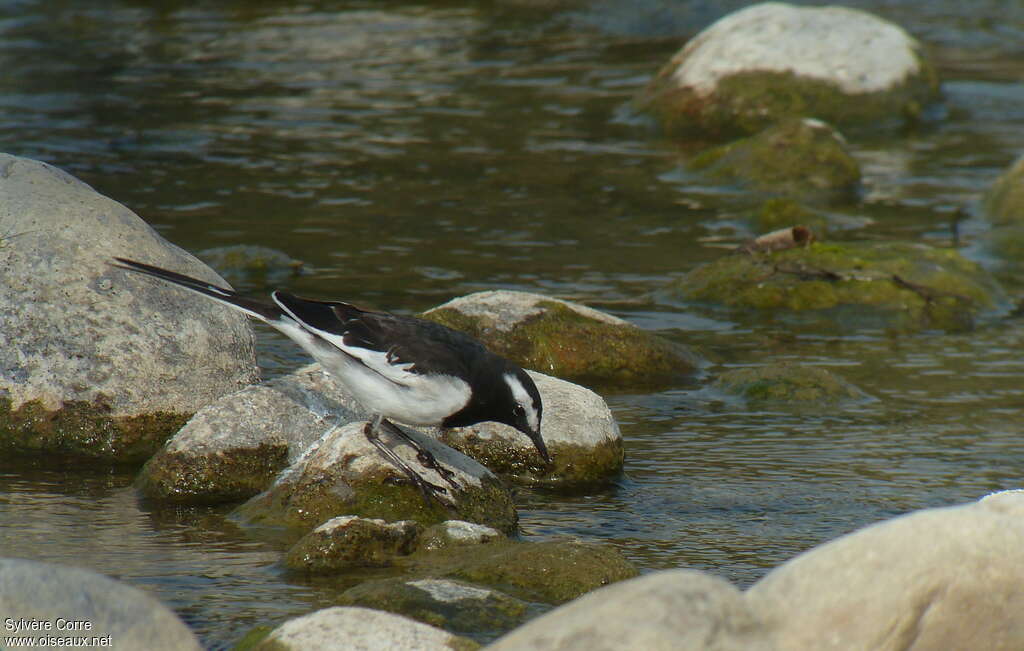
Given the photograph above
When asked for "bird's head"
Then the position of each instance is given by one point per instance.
(525, 408)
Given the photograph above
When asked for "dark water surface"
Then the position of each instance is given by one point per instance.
(410, 153)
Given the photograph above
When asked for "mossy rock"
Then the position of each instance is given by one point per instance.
(796, 157)
(774, 61)
(799, 386)
(240, 262)
(551, 572)
(565, 339)
(229, 476)
(784, 212)
(347, 542)
(900, 285)
(1004, 201)
(452, 605)
(346, 475)
(78, 429)
(747, 102)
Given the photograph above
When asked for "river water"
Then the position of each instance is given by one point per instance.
(411, 153)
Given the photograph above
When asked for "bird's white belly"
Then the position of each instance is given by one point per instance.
(420, 401)
(415, 400)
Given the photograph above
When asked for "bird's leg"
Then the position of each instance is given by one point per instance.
(428, 489)
(425, 456)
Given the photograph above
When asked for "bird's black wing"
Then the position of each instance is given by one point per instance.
(390, 344)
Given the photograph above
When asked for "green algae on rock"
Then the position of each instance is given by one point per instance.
(797, 157)
(800, 386)
(774, 61)
(83, 430)
(350, 541)
(901, 285)
(552, 572)
(344, 474)
(233, 448)
(565, 339)
(455, 606)
(243, 261)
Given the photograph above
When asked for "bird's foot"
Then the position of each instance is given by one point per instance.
(428, 460)
(427, 489)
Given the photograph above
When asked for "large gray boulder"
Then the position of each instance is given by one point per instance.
(673, 610)
(95, 361)
(946, 578)
(69, 602)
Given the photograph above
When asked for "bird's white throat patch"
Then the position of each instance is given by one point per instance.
(522, 396)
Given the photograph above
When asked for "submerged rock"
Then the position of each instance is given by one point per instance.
(350, 541)
(773, 60)
(1004, 201)
(452, 605)
(578, 428)
(945, 578)
(797, 386)
(360, 628)
(245, 262)
(550, 572)
(682, 610)
(78, 603)
(344, 474)
(875, 284)
(565, 339)
(95, 361)
(797, 157)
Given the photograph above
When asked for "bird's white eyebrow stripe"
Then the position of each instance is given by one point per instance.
(522, 396)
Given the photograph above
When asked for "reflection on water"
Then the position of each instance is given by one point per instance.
(412, 153)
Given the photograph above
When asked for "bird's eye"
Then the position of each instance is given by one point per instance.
(518, 410)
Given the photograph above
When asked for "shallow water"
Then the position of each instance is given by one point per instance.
(412, 153)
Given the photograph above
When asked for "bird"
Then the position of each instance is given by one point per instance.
(397, 367)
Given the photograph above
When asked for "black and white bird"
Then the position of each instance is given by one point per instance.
(397, 367)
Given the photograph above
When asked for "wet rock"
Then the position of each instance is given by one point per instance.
(344, 474)
(350, 541)
(578, 428)
(843, 286)
(565, 339)
(773, 60)
(247, 263)
(796, 157)
(360, 628)
(550, 572)
(1004, 201)
(456, 533)
(946, 578)
(95, 361)
(452, 605)
(69, 603)
(789, 384)
(233, 448)
(784, 212)
(671, 610)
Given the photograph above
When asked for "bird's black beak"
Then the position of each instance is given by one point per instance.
(538, 442)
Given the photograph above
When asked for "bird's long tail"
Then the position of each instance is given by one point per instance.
(261, 310)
